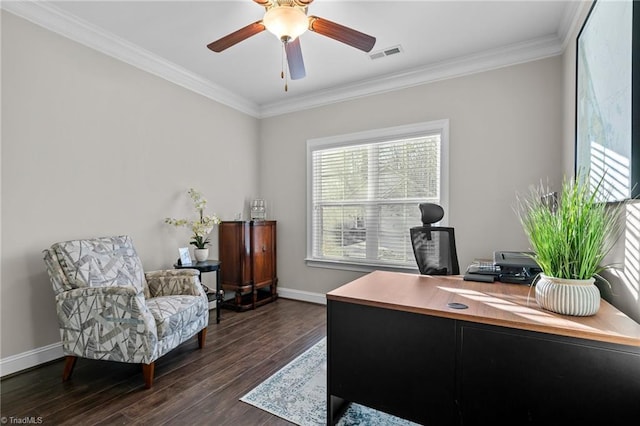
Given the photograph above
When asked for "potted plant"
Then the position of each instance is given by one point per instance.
(200, 227)
(570, 237)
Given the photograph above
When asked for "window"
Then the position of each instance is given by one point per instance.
(364, 190)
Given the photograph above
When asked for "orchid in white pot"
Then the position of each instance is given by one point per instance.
(200, 227)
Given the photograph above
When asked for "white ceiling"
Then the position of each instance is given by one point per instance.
(439, 39)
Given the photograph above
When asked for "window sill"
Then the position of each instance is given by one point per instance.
(358, 267)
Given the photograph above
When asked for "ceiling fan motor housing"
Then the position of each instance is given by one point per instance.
(286, 22)
(272, 3)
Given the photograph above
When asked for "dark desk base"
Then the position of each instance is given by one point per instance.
(393, 361)
(441, 371)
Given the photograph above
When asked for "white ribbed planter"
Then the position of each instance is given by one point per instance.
(568, 297)
(201, 254)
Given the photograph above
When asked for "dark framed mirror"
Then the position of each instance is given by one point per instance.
(608, 98)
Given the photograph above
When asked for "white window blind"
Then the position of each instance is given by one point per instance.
(364, 194)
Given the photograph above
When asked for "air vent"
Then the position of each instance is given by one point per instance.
(385, 52)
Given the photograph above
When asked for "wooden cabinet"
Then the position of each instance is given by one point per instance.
(247, 251)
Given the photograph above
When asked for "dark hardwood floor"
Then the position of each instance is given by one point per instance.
(191, 387)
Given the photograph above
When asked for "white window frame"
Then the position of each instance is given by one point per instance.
(373, 136)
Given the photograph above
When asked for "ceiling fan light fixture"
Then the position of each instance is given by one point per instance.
(286, 22)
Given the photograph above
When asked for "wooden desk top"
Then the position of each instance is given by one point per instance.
(505, 305)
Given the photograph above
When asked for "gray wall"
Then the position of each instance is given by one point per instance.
(505, 134)
(92, 146)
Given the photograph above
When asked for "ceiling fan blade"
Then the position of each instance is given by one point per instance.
(236, 36)
(294, 59)
(341, 33)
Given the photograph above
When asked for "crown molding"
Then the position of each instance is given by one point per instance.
(492, 59)
(52, 18)
(572, 20)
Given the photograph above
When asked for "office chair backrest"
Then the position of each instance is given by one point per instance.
(434, 246)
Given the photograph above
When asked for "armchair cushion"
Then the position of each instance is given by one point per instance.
(174, 281)
(101, 262)
(172, 314)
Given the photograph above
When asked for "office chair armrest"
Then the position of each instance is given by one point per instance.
(110, 323)
(174, 282)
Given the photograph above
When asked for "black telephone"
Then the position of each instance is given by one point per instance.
(516, 267)
(507, 267)
(483, 271)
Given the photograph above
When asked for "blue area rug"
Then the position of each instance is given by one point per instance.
(298, 393)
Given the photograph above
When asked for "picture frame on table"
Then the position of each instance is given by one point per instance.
(185, 257)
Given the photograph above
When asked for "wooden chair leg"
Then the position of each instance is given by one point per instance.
(69, 363)
(202, 336)
(147, 373)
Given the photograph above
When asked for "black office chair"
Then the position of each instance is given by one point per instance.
(434, 246)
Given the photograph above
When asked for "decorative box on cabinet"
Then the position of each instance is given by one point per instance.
(247, 251)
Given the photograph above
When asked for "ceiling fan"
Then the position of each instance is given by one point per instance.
(288, 19)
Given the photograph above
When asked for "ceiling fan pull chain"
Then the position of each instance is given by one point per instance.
(282, 55)
(283, 74)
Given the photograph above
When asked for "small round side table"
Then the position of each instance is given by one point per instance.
(207, 266)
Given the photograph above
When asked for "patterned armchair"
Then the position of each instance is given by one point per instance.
(109, 309)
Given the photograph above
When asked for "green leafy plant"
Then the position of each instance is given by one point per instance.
(200, 227)
(571, 238)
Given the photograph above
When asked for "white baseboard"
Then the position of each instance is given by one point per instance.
(14, 363)
(304, 296)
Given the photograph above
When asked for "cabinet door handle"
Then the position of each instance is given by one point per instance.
(264, 248)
